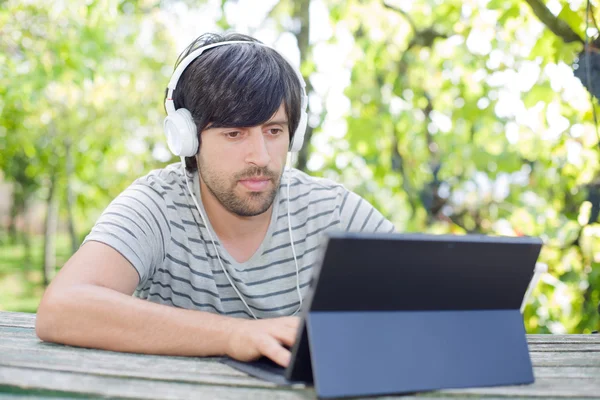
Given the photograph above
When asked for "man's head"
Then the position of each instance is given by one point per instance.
(245, 101)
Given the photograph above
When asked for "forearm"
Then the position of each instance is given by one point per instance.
(97, 317)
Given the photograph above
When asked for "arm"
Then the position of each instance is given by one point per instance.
(89, 304)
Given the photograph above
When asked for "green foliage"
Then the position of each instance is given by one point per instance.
(78, 81)
(21, 289)
(466, 121)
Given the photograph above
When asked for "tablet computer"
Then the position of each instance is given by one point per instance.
(414, 272)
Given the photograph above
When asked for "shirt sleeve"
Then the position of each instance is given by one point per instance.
(358, 215)
(136, 225)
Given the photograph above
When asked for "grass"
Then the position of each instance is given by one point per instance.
(21, 283)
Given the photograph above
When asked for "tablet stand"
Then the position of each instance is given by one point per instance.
(376, 353)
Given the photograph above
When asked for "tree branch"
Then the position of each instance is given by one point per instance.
(398, 166)
(404, 14)
(428, 194)
(454, 219)
(559, 27)
(301, 13)
(421, 37)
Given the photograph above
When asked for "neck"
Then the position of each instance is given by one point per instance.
(229, 226)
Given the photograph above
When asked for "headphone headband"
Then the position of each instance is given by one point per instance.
(179, 126)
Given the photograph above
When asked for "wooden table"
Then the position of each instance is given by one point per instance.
(566, 366)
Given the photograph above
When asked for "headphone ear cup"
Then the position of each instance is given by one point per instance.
(298, 139)
(181, 133)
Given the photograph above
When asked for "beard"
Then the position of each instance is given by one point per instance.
(246, 204)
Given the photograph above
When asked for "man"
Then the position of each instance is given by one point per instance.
(229, 283)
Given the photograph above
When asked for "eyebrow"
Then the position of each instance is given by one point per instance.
(283, 122)
(276, 122)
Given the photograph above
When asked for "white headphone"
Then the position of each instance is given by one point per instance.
(182, 139)
(181, 132)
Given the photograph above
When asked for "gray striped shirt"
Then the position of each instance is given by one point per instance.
(155, 225)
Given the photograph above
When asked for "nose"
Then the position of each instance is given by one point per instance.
(258, 151)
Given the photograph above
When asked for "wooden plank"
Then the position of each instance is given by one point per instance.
(567, 372)
(26, 344)
(560, 339)
(543, 387)
(24, 320)
(29, 352)
(199, 371)
(77, 359)
(139, 388)
(204, 376)
(460, 395)
(453, 396)
(571, 359)
(564, 347)
(34, 395)
(129, 388)
(16, 331)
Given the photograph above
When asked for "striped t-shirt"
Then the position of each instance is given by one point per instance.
(154, 224)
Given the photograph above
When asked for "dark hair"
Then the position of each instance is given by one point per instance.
(237, 85)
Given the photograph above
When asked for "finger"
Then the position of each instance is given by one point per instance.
(293, 322)
(281, 324)
(271, 348)
(286, 335)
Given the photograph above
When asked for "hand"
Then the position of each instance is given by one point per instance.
(251, 339)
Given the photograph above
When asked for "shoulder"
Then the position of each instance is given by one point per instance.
(164, 187)
(155, 194)
(164, 180)
(301, 182)
(160, 192)
(323, 196)
(311, 197)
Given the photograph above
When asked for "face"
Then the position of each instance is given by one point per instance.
(242, 167)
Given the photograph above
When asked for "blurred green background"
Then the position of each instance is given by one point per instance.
(455, 116)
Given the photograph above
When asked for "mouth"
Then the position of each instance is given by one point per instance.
(255, 184)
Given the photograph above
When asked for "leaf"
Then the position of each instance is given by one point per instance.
(539, 92)
(573, 19)
(497, 4)
(511, 13)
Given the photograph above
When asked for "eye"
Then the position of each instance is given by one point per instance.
(232, 134)
(275, 131)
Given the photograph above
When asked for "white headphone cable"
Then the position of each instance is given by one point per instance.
(212, 239)
(289, 170)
